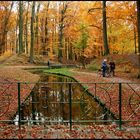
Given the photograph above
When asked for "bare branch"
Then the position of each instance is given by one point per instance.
(96, 27)
(93, 10)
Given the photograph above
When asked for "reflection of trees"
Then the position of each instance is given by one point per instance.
(44, 100)
(61, 94)
(51, 101)
(90, 109)
(33, 105)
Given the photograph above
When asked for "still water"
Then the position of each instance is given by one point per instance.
(50, 102)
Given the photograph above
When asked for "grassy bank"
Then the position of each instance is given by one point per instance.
(62, 71)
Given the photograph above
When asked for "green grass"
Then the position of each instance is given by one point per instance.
(93, 66)
(63, 71)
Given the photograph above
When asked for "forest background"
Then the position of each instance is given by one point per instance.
(69, 31)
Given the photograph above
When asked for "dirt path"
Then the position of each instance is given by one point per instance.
(107, 89)
(94, 77)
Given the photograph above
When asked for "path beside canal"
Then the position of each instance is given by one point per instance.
(60, 131)
(108, 89)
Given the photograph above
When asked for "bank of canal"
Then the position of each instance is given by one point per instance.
(50, 102)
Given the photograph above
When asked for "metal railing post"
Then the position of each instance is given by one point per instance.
(70, 107)
(120, 106)
(95, 108)
(95, 90)
(19, 113)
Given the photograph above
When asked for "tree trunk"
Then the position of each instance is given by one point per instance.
(60, 43)
(70, 50)
(106, 52)
(138, 26)
(20, 27)
(135, 40)
(61, 28)
(53, 37)
(32, 34)
(26, 31)
(5, 30)
(17, 36)
(36, 33)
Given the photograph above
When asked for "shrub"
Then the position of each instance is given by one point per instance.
(93, 67)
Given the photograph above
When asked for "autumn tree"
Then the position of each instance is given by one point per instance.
(42, 31)
(96, 25)
(46, 36)
(111, 26)
(105, 30)
(5, 16)
(20, 27)
(81, 43)
(26, 30)
(62, 17)
(37, 29)
(32, 33)
(138, 25)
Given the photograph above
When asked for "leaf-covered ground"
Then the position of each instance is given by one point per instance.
(9, 78)
(63, 132)
(59, 131)
(107, 89)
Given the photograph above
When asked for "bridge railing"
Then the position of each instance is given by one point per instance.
(64, 103)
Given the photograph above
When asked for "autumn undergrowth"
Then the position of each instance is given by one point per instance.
(124, 66)
(5, 55)
(93, 66)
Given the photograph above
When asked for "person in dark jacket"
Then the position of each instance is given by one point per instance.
(48, 63)
(104, 67)
(112, 67)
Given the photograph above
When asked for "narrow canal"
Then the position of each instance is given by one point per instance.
(59, 99)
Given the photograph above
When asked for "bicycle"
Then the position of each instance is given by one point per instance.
(107, 73)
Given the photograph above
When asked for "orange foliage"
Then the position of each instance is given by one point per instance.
(121, 21)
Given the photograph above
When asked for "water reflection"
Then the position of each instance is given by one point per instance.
(49, 103)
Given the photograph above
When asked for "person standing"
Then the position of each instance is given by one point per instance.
(48, 63)
(112, 67)
(104, 67)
